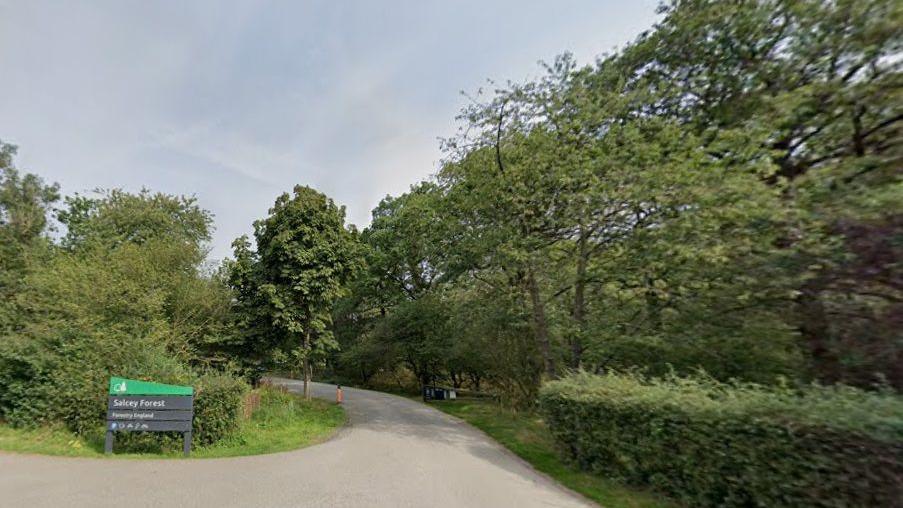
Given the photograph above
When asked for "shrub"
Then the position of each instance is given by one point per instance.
(218, 407)
(87, 316)
(92, 311)
(63, 379)
(714, 444)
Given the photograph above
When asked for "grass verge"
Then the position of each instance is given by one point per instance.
(283, 422)
(526, 435)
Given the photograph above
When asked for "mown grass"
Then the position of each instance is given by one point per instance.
(526, 435)
(283, 422)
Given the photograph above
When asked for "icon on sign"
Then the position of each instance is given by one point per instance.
(119, 387)
(113, 426)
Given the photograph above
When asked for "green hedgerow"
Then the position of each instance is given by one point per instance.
(715, 444)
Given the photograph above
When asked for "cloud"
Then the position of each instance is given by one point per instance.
(226, 150)
(236, 102)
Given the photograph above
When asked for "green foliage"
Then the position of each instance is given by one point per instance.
(417, 332)
(814, 87)
(714, 444)
(493, 346)
(116, 217)
(284, 421)
(89, 317)
(24, 203)
(286, 288)
(124, 296)
(217, 407)
(394, 308)
(723, 193)
(406, 245)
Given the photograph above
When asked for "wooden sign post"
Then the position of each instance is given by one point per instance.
(140, 406)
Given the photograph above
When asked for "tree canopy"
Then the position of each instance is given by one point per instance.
(288, 285)
(720, 194)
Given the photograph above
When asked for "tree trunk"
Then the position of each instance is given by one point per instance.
(475, 381)
(307, 373)
(540, 326)
(419, 372)
(579, 310)
(653, 309)
(816, 334)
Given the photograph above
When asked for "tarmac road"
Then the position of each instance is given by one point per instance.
(394, 453)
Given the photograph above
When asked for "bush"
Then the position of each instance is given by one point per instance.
(63, 379)
(67, 384)
(85, 317)
(218, 407)
(714, 444)
(97, 311)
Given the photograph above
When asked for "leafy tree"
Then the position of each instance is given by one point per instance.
(494, 348)
(25, 201)
(395, 305)
(303, 259)
(723, 185)
(254, 339)
(406, 242)
(177, 230)
(117, 217)
(126, 296)
(815, 86)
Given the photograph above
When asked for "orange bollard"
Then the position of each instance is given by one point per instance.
(338, 395)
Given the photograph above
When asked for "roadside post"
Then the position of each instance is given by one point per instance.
(141, 406)
(339, 397)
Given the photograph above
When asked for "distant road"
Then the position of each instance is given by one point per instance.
(394, 453)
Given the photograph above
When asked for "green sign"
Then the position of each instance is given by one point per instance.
(122, 386)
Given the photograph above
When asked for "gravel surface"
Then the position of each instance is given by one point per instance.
(394, 453)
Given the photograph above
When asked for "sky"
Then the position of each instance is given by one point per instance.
(237, 102)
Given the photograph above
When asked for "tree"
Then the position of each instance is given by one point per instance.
(304, 258)
(254, 339)
(406, 240)
(116, 217)
(126, 296)
(396, 307)
(721, 188)
(815, 86)
(25, 202)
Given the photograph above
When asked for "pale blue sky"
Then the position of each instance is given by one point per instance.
(236, 102)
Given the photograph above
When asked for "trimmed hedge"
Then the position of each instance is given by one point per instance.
(713, 444)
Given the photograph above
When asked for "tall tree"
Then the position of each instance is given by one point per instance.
(126, 296)
(116, 217)
(304, 258)
(726, 184)
(815, 86)
(25, 203)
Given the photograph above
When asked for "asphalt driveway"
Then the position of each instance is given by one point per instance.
(394, 453)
